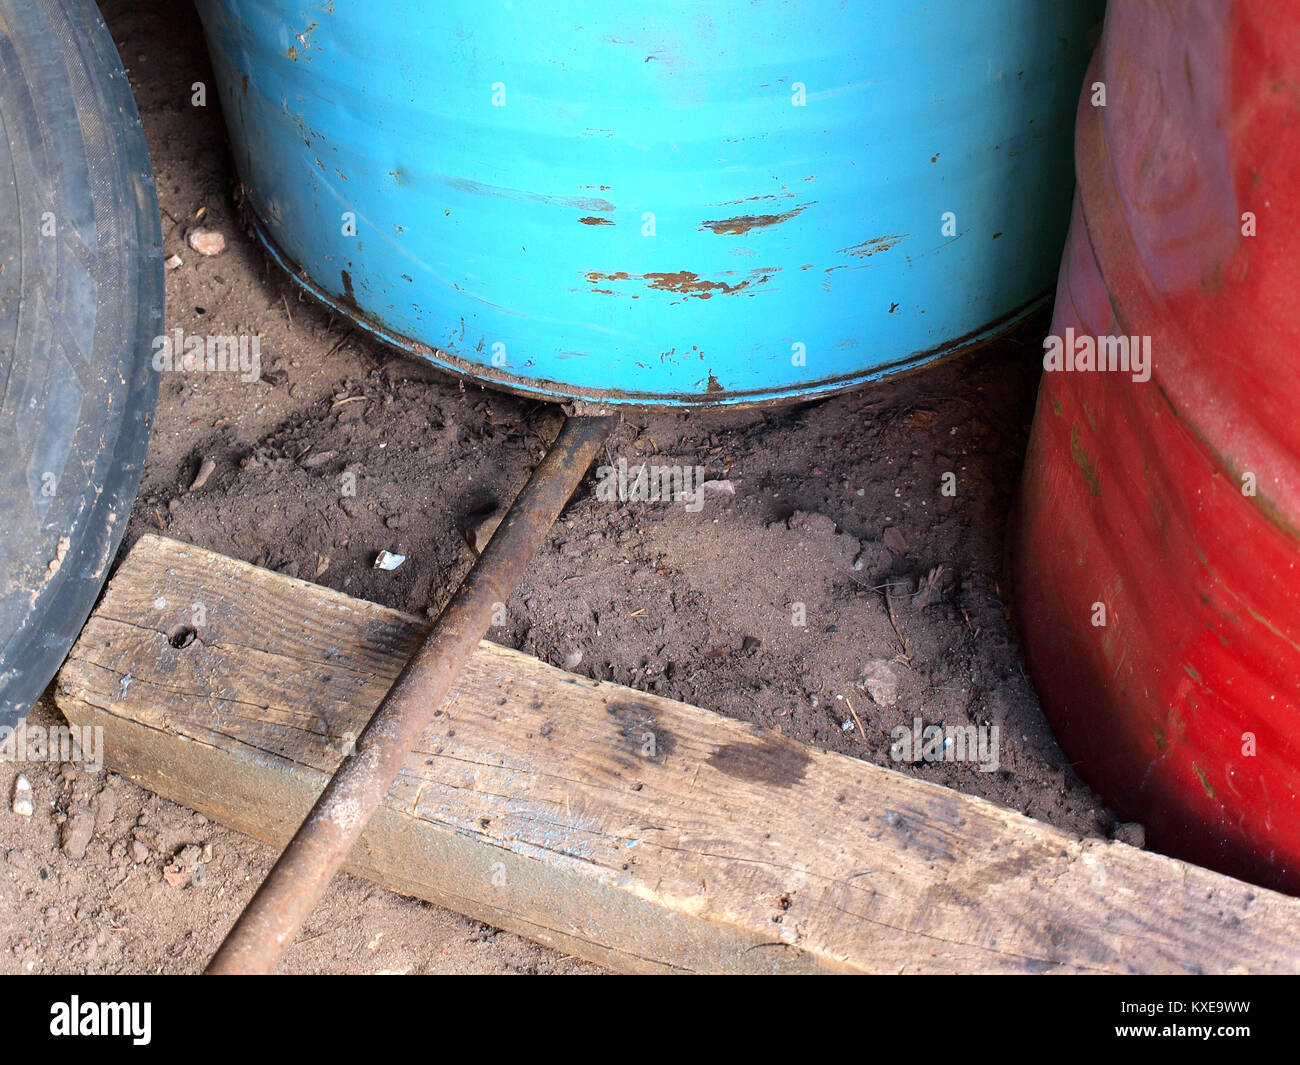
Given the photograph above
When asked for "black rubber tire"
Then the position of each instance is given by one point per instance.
(81, 299)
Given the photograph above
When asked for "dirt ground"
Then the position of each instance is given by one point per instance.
(835, 504)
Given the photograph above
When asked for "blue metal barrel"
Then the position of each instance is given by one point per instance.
(681, 202)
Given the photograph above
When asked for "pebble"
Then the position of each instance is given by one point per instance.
(201, 478)
(207, 242)
(77, 831)
(881, 682)
(23, 804)
(173, 262)
(105, 806)
(139, 852)
(316, 459)
(1132, 833)
(573, 660)
(388, 560)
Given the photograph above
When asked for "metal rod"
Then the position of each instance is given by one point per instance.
(322, 843)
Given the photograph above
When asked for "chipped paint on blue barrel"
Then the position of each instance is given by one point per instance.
(686, 202)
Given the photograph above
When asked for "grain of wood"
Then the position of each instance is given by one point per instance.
(628, 829)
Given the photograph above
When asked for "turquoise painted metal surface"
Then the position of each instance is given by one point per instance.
(684, 202)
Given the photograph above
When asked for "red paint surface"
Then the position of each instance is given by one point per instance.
(1132, 494)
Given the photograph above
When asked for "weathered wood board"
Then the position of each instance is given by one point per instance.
(624, 828)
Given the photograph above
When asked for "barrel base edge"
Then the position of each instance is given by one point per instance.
(598, 400)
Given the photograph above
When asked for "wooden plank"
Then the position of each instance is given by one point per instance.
(624, 828)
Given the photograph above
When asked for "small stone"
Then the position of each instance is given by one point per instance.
(880, 679)
(105, 806)
(173, 262)
(1132, 833)
(23, 797)
(205, 854)
(572, 660)
(388, 560)
(201, 478)
(139, 852)
(207, 241)
(77, 831)
(316, 459)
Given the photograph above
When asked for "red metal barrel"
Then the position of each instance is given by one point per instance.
(1157, 561)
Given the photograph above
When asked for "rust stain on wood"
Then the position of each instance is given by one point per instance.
(771, 760)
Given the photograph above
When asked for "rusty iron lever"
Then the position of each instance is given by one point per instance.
(299, 877)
